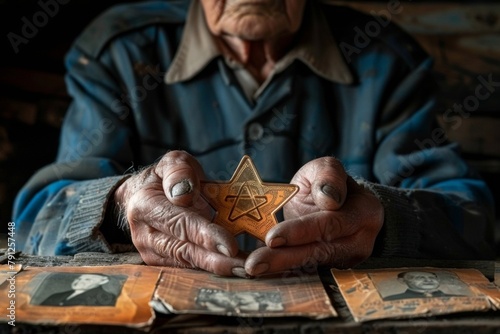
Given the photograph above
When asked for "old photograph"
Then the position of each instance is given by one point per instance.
(187, 291)
(414, 292)
(112, 295)
(239, 301)
(420, 283)
(71, 289)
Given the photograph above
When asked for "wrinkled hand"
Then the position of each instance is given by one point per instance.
(170, 222)
(332, 221)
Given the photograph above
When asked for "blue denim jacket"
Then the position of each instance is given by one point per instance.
(382, 126)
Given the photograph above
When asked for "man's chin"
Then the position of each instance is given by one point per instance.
(253, 29)
(250, 36)
(431, 287)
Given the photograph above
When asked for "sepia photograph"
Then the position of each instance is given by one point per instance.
(414, 292)
(188, 291)
(97, 295)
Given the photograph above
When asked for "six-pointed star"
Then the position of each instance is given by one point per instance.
(245, 203)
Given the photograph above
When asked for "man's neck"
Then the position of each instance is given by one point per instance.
(424, 291)
(75, 293)
(258, 57)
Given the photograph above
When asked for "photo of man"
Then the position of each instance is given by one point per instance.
(420, 284)
(372, 294)
(90, 289)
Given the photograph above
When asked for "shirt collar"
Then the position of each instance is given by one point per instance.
(316, 47)
(197, 47)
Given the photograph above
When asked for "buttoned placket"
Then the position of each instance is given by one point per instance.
(278, 89)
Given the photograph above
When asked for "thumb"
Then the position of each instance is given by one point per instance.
(328, 196)
(180, 174)
(328, 182)
(180, 193)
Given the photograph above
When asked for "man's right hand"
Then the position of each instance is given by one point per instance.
(170, 223)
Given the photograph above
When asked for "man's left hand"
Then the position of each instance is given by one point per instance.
(332, 221)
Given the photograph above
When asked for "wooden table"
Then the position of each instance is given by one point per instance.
(483, 322)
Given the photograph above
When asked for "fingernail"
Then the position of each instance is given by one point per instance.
(261, 268)
(181, 188)
(331, 192)
(223, 249)
(240, 272)
(276, 242)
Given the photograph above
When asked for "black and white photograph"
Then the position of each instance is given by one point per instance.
(291, 294)
(422, 284)
(72, 289)
(112, 295)
(241, 301)
(411, 292)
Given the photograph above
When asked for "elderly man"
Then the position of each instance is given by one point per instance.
(420, 284)
(182, 90)
(86, 290)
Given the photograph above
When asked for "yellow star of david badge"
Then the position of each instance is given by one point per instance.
(245, 203)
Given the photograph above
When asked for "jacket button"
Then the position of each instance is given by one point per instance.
(255, 131)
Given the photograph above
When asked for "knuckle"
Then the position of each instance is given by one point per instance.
(160, 245)
(161, 214)
(211, 264)
(134, 213)
(137, 204)
(187, 255)
(178, 227)
(182, 253)
(172, 249)
(157, 249)
(184, 226)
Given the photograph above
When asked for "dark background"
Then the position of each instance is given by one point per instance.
(33, 97)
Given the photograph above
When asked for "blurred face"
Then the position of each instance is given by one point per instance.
(247, 302)
(421, 281)
(88, 281)
(253, 20)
